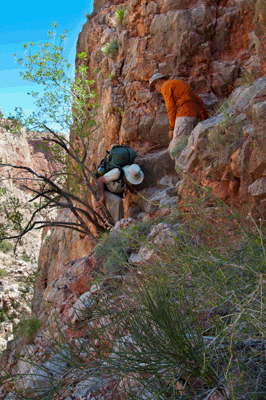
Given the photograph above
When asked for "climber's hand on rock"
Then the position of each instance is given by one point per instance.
(170, 133)
(100, 203)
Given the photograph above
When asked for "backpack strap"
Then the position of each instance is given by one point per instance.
(121, 179)
(128, 155)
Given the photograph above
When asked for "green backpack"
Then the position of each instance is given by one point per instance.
(117, 157)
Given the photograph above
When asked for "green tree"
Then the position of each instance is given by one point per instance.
(69, 106)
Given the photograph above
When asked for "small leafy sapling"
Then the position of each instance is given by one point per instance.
(65, 119)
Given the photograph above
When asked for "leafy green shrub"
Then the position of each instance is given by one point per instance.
(5, 246)
(110, 49)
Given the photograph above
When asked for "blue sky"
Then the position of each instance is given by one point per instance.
(22, 22)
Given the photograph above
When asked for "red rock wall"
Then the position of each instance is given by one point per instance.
(206, 43)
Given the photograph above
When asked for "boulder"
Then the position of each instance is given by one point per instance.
(258, 188)
(159, 130)
(189, 157)
(87, 386)
(145, 125)
(249, 93)
(155, 166)
(82, 309)
(144, 254)
(152, 200)
(225, 74)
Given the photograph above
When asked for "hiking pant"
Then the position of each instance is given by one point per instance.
(183, 128)
(114, 205)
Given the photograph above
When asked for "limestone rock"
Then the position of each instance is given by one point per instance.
(248, 94)
(40, 377)
(225, 74)
(87, 386)
(155, 166)
(258, 188)
(144, 254)
(160, 128)
(165, 182)
(82, 309)
(145, 125)
(153, 199)
(189, 157)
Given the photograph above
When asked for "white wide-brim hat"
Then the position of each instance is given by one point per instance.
(155, 78)
(133, 174)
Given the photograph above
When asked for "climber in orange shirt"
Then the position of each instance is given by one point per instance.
(185, 109)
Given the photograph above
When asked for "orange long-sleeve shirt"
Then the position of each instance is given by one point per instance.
(181, 101)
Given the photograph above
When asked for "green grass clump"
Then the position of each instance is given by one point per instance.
(110, 49)
(114, 250)
(3, 316)
(180, 147)
(189, 323)
(25, 256)
(3, 272)
(225, 137)
(247, 78)
(119, 14)
(6, 246)
(28, 328)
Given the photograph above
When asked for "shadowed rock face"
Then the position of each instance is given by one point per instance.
(15, 288)
(26, 150)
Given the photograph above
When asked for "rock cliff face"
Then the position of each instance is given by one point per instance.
(240, 178)
(17, 272)
(206, 43)
(215, 47)
(23, 149)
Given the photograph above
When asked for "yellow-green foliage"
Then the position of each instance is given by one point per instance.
(119, 14)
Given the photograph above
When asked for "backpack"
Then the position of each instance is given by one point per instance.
(117, 157)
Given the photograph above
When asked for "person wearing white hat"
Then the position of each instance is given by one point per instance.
(185, 108)
(112, 185)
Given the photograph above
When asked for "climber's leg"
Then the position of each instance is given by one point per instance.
(183, 128)
(114, 205)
